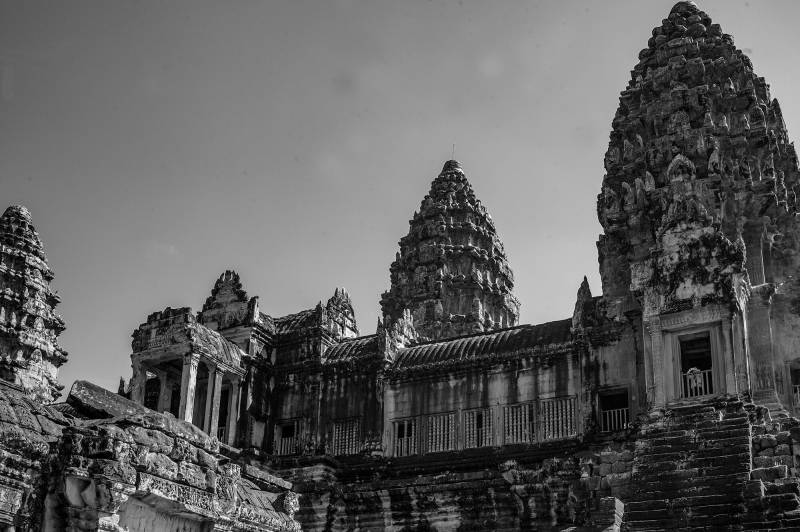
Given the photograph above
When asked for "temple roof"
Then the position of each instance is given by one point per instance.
(16, 230)
(179, 327)
(482, 346)
(293, 322)
(352, 349)
(457, 351)
(697, 139)
(451, 271)
(29, 325)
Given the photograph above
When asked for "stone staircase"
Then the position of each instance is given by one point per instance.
(694, 469)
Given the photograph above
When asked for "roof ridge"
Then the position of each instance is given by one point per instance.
(488, 333)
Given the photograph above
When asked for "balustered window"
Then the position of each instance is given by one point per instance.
(518, 423)
(287, 437)
(346, 437)
(557, 418)
(441, 432)
(405, 437)
(614, 412)
(696, 365)
(477, 428)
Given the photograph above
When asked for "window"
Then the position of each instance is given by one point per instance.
(613, 410)
(405, 437)
(696, 361)
(795, 375)
(518, 424)
(346, 437)
(441, 432)
(557, 418)
(477, 428)
(287, 437)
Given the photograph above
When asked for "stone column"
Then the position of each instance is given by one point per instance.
(164, 392)
(188, 385)
(138, 382)
(214, 391)
(761, 345)
(233, 410)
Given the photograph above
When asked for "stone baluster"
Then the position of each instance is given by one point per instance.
(188, 386)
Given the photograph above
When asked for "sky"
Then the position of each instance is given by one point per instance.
(158, 143)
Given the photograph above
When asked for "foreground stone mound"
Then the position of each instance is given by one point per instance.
(102, 462)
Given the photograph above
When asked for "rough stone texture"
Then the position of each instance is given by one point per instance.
(664, 403)
(451, 271)
(135, 469)
(29, 327)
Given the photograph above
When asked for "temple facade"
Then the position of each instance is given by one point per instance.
(667, 402)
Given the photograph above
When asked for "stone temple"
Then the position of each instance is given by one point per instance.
(665, 403)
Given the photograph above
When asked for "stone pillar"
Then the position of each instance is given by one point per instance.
(188, 385)
(138, 382)
(760, 328)
(214, 390)
(164, 391)
(654, 362)
(233, 410)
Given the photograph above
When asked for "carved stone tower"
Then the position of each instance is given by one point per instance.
(698, 210)
(451, 271)
(29, 327)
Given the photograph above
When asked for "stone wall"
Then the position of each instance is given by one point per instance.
(550, 488)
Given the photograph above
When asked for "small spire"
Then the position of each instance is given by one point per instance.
(685, 7)
(19, 212)
(451, 166)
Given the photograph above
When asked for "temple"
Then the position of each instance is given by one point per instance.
(667, 402)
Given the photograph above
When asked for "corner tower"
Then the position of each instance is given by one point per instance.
(451, 273)
(698, 209)
(29, 327)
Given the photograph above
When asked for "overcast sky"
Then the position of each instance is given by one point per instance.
(158, 143)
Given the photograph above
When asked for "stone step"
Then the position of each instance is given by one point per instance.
(689, 485)
(664, 432)
(646, 525)
(778, 488)
(715, 510)
(721, 433)
(689, 501)
(738, 422)
(769, 474)
(655, 441)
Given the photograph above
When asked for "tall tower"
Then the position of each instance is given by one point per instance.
(698, 209)
(451, 271)
(29, 327)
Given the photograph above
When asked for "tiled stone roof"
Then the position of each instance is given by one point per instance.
(353, 349)
(481, 346)
(293, 322)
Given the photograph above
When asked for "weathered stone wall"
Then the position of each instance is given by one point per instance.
(491, 489)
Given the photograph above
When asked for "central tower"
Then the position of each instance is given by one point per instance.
(451, 272)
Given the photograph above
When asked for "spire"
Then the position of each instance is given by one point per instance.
(29, 327)
(697, 146)
(451, 273)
